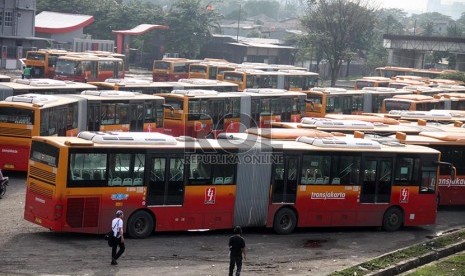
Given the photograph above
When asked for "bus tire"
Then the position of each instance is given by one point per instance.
(140, 225)
(393, 219)
(285, 221)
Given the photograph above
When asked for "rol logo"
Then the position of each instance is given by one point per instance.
(404, 194)
(210, 195)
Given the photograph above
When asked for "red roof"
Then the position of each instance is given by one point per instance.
(58, 23)
(142, 28)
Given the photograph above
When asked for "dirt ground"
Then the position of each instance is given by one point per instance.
(28, 249)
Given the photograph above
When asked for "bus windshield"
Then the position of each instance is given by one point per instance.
(12, 115)
(68, 67)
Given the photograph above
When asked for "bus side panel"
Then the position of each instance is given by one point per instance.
(208, 207)
(253, 188)
(324, 205)
(419, 209)
(14, 153)
(5, 92)
(451, 192)
(246, 110)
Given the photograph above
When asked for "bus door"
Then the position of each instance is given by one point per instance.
(375, 194)
(93, 117)
(376, 180)
(217, 114)
(166, 189)
(94, 71)
(285, 180)
(136, 116)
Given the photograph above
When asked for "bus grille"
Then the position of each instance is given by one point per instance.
(37, 173)
(82, 212)
(15, 132)
(36, 189)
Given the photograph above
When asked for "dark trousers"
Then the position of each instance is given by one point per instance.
(235, 261)
(115, 255)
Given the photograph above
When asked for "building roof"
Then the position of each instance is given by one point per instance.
(58, 23)
(142, 28)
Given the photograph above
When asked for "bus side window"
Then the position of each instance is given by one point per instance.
(223, 174)
(405, 171)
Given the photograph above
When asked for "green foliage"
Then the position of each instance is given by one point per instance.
(418, 250)
(338, 28)
(191, 24)
(460, 76)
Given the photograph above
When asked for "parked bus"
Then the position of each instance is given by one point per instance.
(209, 69)
(88, 68)
(207, 113)
(201, 113)
(43, 62)
(452, 148)
(171, 69)
(24, 116)
(293, 80)
(371, 82)
(321, 101)
(261, 107)
(167, 184)
(393, 71)
(412, 102)
(42, 86)
(149, 87)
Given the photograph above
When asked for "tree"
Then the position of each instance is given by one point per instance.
(338, 27)
(191, 25)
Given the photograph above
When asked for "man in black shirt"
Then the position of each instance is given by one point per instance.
(236, 250)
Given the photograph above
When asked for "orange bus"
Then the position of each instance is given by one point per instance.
(88, 67)
(75, 184)
(412, 102)
(171, 69)
(393, 71)
(24, 116)
(371, 82)
(150, 87)
(293, 80)
(452, 147)
(42, 86)
(201, 113)
(325, 100)
(43, 62)
(261, 107)
(208, 69)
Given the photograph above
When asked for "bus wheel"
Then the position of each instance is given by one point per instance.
(140, 225)
(285, 221)
(393, 219)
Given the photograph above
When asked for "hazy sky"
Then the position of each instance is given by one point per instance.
(405, 4)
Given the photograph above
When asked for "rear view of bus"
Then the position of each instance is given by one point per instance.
(24, 116)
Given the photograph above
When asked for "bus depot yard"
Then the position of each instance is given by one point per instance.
(311, 188)
(27, 249)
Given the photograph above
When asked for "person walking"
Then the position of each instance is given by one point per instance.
(236, 251)
(27, 72)
(118, 235)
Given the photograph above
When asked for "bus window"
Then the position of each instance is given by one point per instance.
(200, 173)
(345, 170)
(316, 169)
(405, 169)
(285, 180)
(87, 170)
(16, 116)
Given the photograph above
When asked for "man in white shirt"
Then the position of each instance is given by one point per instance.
(117, 227)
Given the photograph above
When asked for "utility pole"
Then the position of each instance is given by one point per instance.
(238, 22)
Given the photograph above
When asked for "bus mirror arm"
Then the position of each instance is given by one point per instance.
(453, 170)
(167, 106)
